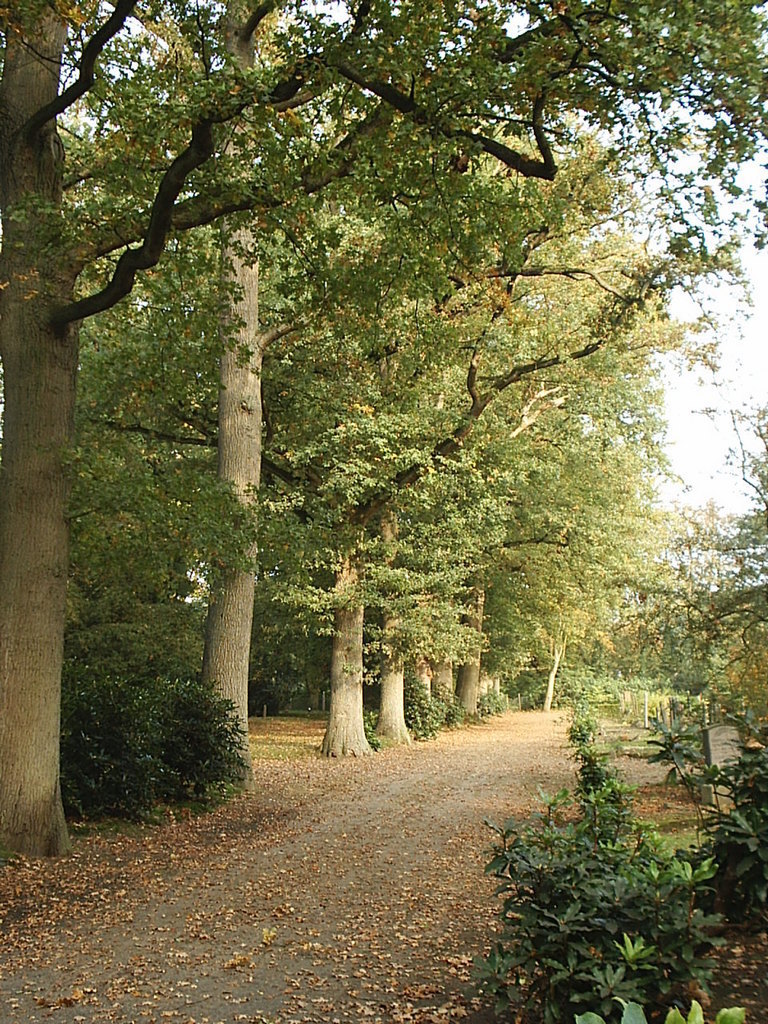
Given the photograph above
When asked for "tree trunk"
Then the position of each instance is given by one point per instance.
(442, 680)
(423, 672)
(558, 653)
(391, 725)
(39, 373)
(345, 733)
(226, 656)
(468, 682)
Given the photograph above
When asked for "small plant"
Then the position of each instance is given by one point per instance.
(584, 726)
(679, 746)
(634, 1014)
(370, 721)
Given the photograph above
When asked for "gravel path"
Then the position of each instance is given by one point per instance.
(343, 891)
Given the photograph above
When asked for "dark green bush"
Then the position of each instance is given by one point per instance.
(200, 739)
(738, 834)
(491, 703)
(370, 721)
(424, 715)
(594, 911)
(454, 711)
(110, 748)
(127, 746)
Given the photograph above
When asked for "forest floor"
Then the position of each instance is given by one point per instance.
(341, 891)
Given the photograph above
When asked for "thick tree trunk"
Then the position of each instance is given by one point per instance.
(345, 733)
(558, 653)
(391, 725)
(39, 372)
(468, 682)
(442, 680)
(226, 656)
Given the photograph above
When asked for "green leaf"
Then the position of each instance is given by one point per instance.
(633, 1014)
(589, 1018)
(734, 1015)
(675, 1017)
(696, 1016)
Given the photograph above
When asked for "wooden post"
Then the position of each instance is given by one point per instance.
(264, 711)
(645, 710)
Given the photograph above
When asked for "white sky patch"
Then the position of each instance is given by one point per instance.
(700, 405)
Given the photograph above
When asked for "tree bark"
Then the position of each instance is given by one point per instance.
(229, 623)
(558, 653)
(39, 374)
(345, 733)
(226, 655)
(468, 682)
(442, 680)
(391, 725)
(423, 672)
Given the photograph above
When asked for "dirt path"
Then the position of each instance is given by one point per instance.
(343, 891)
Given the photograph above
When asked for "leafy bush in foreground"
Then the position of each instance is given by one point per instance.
(594, 910)
(634, 1014)
(126, 746)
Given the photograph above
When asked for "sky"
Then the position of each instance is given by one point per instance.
(698, 444)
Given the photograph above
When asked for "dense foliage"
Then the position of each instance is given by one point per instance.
(595, 909)
(125, 746)
(633, 1013)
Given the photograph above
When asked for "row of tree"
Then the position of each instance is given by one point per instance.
(427, 251)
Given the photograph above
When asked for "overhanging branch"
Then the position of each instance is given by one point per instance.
(86, 75)
(148, 253)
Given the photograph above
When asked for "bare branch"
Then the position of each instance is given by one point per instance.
(86, 77)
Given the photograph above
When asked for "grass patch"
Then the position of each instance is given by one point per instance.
(286, 738)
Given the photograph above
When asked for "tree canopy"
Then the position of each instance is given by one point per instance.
(124, 128)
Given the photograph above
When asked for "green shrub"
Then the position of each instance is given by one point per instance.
(491, 703)
(454, 711)
(738, 837)
(370, 721)
(634, 1014)
(200, 739)
(594, 911)
(424, 715)
(126, 746)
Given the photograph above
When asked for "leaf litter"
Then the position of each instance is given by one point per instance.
(339, 892)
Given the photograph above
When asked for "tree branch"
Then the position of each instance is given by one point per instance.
(86, 77)
(256, 17)
(148, 253)
(405, 104)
